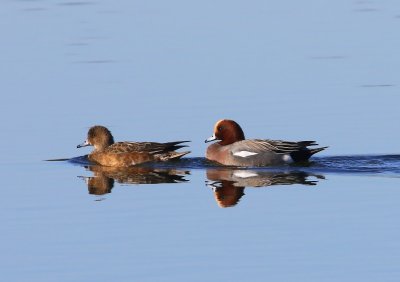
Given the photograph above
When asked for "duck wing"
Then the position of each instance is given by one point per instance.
(267, 145)
(149, 147)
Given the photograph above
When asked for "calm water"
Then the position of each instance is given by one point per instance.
(167, 70)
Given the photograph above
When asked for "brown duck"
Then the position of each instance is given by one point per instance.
(124, 154)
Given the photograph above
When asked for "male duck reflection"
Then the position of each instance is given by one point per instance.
(229, 184)
(125, 154)
(234, 150)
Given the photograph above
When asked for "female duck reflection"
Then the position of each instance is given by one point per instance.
(103, 177)
(228, 184)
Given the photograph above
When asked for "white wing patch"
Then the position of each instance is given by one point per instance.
(287, 158)
(244, 154)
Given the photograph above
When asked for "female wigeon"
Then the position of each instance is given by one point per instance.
(124, 154)
(234, 150)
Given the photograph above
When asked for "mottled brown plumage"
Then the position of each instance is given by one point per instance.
(125, 154)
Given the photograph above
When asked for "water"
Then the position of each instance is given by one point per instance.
(168, 70)
(322, 225)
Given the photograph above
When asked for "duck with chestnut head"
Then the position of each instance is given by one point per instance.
(232, 149)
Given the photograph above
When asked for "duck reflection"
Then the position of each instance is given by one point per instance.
(229, 184)
(103, 178)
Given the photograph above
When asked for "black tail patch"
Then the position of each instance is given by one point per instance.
(305, 154)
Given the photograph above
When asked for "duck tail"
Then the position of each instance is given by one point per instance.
(173, 146)
(316, 150)
(304, 155)
(171, 155)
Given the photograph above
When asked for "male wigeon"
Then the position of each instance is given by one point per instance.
(124, 154)
(234, 150)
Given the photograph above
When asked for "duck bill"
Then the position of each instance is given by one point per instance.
(84, 144)
(210, 139)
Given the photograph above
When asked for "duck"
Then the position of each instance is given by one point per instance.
(125, 154)
(234, 150)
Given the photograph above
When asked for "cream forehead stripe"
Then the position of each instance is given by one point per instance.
(217, 124)
(244, 154)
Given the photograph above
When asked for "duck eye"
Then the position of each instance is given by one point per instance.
(220, 128)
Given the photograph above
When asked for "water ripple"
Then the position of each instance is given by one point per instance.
(367, 164)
